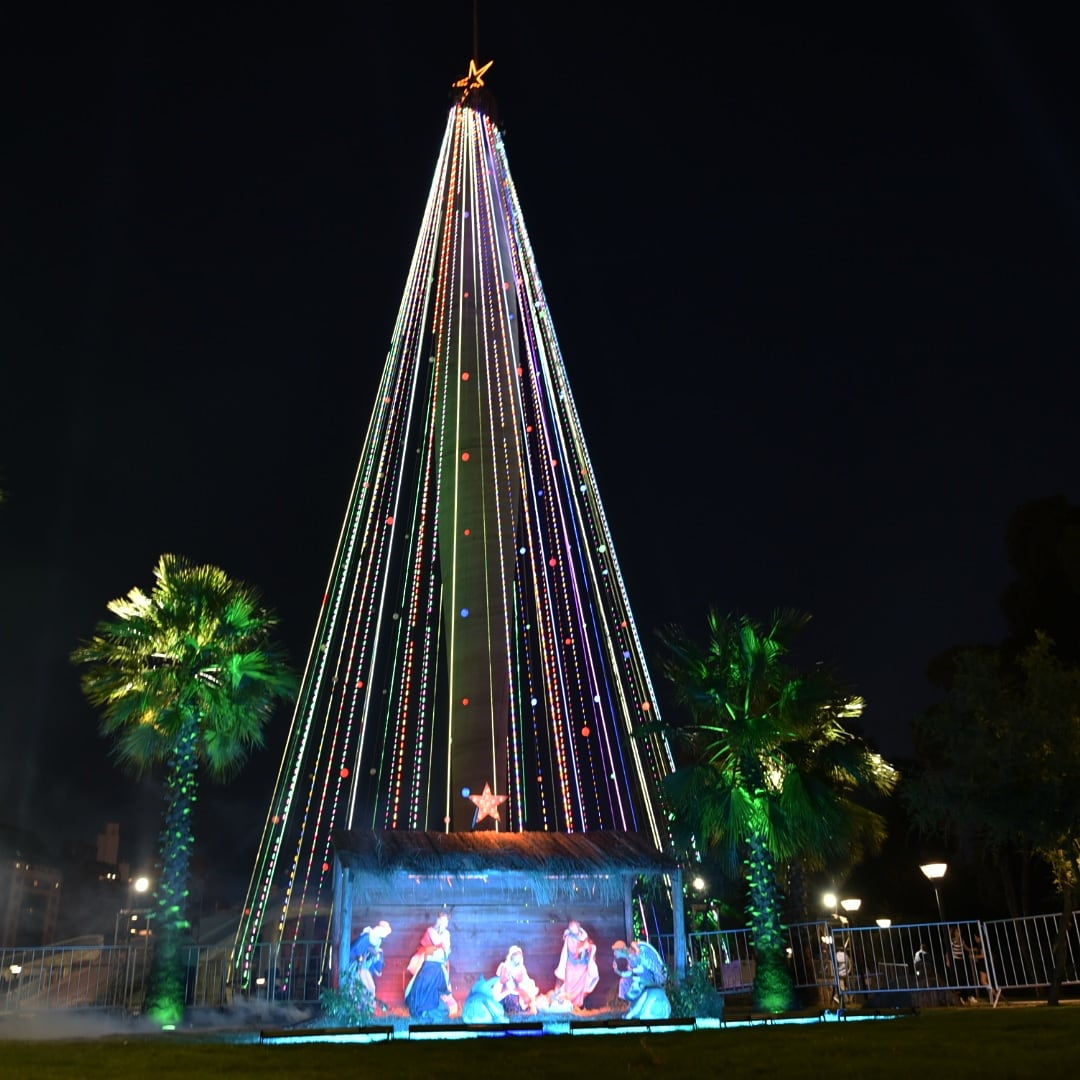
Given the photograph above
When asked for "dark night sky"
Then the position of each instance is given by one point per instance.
(814, 278)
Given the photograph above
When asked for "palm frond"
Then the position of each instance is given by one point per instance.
(785, 767)
(195, 646)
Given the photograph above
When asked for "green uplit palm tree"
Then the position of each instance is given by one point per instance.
(768, 772)
(186, 677)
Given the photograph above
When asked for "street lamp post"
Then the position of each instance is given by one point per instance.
(934, 872)
(131, 915)
(13, 983)
(830, 901)
(137, 888)
(851, 906)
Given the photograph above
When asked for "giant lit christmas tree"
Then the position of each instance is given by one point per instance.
(475, 662)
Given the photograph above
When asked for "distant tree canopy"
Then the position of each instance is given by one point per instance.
(1043, 544)
(999, 757)
(1042, 541)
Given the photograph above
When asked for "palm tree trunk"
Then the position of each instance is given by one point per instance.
(165, 996)
(773, 990)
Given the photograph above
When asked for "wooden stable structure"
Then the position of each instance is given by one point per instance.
(500, 889)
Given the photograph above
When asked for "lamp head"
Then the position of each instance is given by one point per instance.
(934, 871)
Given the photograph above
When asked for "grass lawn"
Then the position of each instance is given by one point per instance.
(1016, 1041)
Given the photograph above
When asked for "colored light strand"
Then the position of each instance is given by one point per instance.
(475, 627)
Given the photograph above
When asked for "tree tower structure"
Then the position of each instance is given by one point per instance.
(475, 663)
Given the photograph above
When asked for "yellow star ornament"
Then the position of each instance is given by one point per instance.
(475, 79)
(487, 805)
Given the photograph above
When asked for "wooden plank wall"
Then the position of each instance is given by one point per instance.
(482, 931)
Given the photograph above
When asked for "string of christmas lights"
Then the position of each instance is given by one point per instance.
(475, 633)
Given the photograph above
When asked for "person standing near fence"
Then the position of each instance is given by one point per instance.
(978, 955)
(959, 954)
(919, 961)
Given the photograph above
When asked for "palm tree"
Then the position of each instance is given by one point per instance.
(184, 676)
(768, 772)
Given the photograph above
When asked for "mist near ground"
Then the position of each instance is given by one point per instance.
(239, 1022)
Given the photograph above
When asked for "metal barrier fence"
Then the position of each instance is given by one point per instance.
(917, 964)
(914, 964)
(114, 977)
(1021, 951)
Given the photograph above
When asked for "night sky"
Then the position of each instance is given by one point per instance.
(814, 278)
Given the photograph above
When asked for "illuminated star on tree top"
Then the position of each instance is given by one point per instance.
(475, 79)
(487, 805)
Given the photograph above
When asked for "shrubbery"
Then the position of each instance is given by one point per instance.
(353, 1005)
(695, 995)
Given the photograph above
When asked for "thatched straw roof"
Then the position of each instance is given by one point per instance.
(388, 851)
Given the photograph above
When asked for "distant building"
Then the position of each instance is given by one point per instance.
(29, 893)
(108, 845)
(96, 887)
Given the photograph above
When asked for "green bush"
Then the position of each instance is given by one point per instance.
(353, 1005)
(695, 995)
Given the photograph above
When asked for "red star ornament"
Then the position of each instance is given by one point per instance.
(487, 804)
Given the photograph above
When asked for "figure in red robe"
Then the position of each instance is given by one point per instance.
(577, 971)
